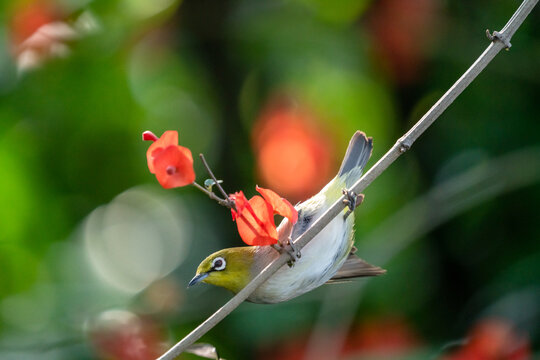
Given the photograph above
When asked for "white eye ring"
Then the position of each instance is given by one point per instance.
(219, 264)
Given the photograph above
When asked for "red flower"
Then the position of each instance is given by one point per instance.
(382, 338)
(255, 218)
(401, 43)
(122, 335)
(171, 163)
(29, 16)
(388, 337)
(283, 129)
(494, 338)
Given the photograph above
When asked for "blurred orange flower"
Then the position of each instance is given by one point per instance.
(390, 337)
(255, 218)
(38, 33)
(28, 17)
(122, 335)
(382, 338)
(494, 339)
(171, 163)
(402, 30)
(294, 157)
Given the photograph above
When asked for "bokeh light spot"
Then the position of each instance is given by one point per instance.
(139, 237)
(294, 157)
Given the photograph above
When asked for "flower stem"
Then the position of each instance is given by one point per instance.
(229, 202)
(224, 202)
(213, 177)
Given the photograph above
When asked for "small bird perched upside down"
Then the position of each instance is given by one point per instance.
(329, 257)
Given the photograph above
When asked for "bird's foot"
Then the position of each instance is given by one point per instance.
(353, 200)
(293, 251)
(290, 249)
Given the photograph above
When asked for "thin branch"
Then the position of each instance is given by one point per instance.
(212, 195)
(402, 145)
(227, 200)
(213, 176)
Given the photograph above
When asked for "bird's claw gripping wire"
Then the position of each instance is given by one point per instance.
(353, 200)
(290, 249)
(293, 251)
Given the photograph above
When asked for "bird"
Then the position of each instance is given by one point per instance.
(328, 258)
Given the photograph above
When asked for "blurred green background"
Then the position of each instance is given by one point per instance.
(95, 256)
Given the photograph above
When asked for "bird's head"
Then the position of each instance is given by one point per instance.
(228, 268)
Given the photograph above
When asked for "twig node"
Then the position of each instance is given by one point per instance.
(501, 36)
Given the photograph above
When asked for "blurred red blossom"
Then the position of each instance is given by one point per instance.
(382, 338)
(294, 156)
(29, 16)
(494, 339)
(171, 163)
(255, 218)
(401, 32)
(39, 32)
(389, 336)
(122, 335)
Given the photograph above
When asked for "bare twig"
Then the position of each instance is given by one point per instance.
(213, 196)
(499, 41)
(214, 178)
(226, 200)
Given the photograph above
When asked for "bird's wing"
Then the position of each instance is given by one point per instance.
(355, 267)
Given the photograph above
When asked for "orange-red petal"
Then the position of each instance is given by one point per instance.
(168, 138)
(261, 231)
(281, 206)
(186, 152)
(174, 167)
(151, 155)
(240, 202)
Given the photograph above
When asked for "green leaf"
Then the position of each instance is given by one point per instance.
(208, 183)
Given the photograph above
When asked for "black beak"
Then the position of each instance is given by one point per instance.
(197, 279)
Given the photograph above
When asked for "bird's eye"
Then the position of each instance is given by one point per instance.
(218, 264)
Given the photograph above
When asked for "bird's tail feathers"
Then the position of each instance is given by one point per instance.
(354, 267)
(356, 157)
